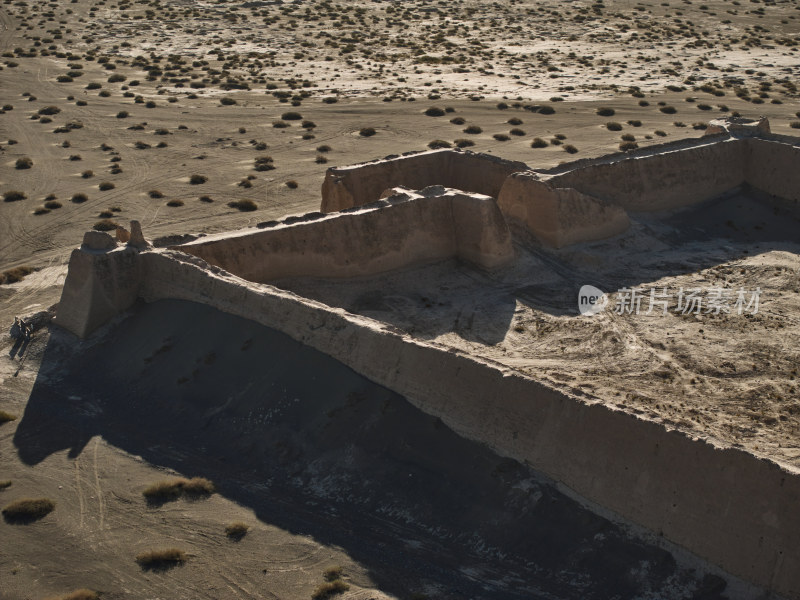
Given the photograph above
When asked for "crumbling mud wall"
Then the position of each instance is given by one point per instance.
(356, 185)
(102, 282)
(773, 165)
(559, 216)
(403, 230)
(722, 504)
(686, 172)
(668, 178)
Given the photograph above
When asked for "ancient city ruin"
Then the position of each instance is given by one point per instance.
(721, 503)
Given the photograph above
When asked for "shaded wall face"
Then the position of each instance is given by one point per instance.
(355, 186)
(662, 181)
(773, 167)
(99, 286)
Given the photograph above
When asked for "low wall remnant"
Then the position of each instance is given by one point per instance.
(402, 230)
(356, 185)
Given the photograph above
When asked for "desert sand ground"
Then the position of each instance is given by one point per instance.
(125, 102)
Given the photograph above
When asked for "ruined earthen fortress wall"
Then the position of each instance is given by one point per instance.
(684, 173)
(401, 231)
(556, 216)
(774, 166)
(356, 185)
(102, 284)
(589, 199)
(724, 505)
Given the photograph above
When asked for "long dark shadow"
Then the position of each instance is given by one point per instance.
(316, 449)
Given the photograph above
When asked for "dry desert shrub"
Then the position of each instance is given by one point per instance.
(330, 589)
(627, 146)
(291, 116)
(501, 137)
(435, 144)
(539, 143)
(8, 277)
(614, 126)
(79, 198)
(155, 194)
(175, 203)
(321, 160)
(291, 184)
(473, 129)
(106, 185)
(12, 276)
(172, 489)
(668, 110)
(569, 148)
(245, 205)
(4, 485)
(161, 559)
(463, 143)
(105, 225)
(458, 120)
(236, 530)
(198, 179)
(23, 163)
(13, 196)
(263, 163)
(367, 132)
(604, 111)
(435, 111)
(27, 510)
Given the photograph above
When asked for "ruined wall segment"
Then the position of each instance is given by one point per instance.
(559, 216)
(773, 166)
(403, 230)
(722, 504)
(671, 176)
(103, 280)
(356, 185)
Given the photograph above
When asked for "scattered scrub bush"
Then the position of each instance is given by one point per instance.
(243, 205)
(27, 510)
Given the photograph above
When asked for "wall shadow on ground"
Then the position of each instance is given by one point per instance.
(313, 448)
